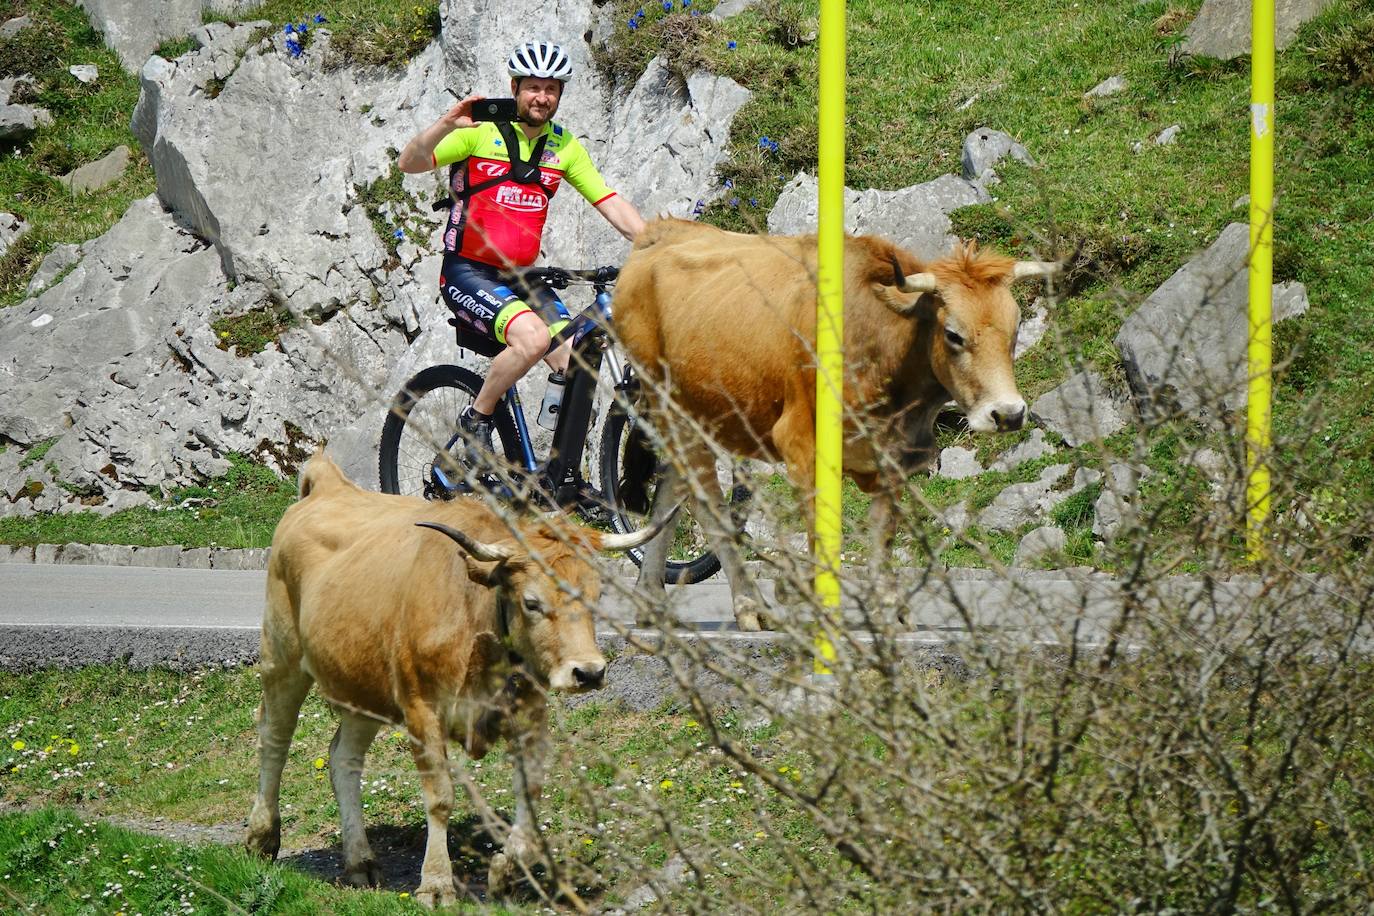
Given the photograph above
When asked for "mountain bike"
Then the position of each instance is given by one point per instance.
(423, 448)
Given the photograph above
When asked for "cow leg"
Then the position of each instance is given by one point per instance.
(430, 750)
(283, 691)
(652, 569)
(346, 754)
(530, 748)
(747, 601)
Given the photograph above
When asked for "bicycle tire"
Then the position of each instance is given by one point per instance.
(628, 473)
(423, 419)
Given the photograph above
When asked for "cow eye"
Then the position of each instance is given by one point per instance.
(533, 605)
(953, 338)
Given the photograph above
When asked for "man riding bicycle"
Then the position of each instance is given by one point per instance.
(502, 179)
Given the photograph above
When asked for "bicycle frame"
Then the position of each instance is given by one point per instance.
(562, 471)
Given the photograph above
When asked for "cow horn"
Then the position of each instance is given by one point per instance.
(1026, 269)
(918, 283)
(637, 538)
(486, 553)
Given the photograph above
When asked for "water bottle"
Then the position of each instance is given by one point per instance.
(553, 397)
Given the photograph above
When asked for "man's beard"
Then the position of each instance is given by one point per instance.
(528, 117)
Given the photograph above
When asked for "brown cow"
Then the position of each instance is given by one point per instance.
(727, 323)
(398, 625)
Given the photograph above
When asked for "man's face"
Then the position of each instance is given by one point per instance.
(536, 99)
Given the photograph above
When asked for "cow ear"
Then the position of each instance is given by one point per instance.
(484, 574)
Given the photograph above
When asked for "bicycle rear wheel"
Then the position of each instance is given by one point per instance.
(629, 480)
(421, 452)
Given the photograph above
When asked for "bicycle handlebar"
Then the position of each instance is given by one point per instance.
(560, 277)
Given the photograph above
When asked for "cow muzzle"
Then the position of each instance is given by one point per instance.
(1003, 416)
(579, 676)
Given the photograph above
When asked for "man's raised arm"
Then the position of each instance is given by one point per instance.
(622, 214)
(418, 155)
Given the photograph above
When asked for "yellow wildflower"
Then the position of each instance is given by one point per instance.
(319, 763)
(74, 749)
(18, 745)
(666, 784)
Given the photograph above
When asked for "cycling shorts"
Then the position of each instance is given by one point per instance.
(486, 299)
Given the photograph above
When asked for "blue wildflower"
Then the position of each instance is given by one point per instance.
(699, 208)
(696, 12)
(734, 201)
(634, 24)
(729, 182)
(667, 6)
(289, 28)
(686, 4)
(753, 201)
(293, 47)
(303, 28)
(319, 18)
(640, 12)
(400, 233)
(731, 46)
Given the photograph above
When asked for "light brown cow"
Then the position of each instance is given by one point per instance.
(399, 625)
(727, 323)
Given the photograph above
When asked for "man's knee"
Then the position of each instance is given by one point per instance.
(528, 336)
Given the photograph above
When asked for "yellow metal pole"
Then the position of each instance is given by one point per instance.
(830, 317)
(1257, 438)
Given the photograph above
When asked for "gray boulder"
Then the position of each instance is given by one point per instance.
(134, 28)
(1115, 508)
(1026, 503)
(1039, 543)
(1080, 410)
(983, 149)
(1222, 27)
(52, 266)
(915, 217)
(12, 27)
(95, 175)
(11, 228)
(958, 463)
(18, 122)
(1034, 447)
(1184, 349)
(1108, 87)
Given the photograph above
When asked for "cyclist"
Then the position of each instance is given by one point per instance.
(502, 178)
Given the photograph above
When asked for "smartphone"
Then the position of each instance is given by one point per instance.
(494, 110)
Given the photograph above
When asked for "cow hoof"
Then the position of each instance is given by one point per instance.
(440, 893)
(748, 616)
(365, 874)
(499, 875)
(265, 843)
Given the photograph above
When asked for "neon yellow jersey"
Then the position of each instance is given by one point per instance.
(503, 224)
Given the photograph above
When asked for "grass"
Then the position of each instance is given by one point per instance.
(626, 790)
(240, 509)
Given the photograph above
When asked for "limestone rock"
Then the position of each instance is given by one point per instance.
(12, 27)
(1080, 410)
(1115, 508)
(95, 175)
(85, 73)
(1032, 330)
(11, 228)
(134, 28)
(984, 148)
(1023, 503)
(915, 217)
(1034, 447)
(1222, 27)
(1108, 87)
(18, 122)
(1184, 349)
(1046, 541)
(958, 463)
(53, 264)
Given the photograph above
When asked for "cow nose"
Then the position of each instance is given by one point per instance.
(1009, 417)
(589, 677)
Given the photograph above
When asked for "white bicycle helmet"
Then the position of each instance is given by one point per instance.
(542, 59)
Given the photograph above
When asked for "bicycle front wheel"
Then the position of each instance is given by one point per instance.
(629, 480)
(421, 451)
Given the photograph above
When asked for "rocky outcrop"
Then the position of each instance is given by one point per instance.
(1222, 27)
(134, 28)
(11, 228)
(1184, 349)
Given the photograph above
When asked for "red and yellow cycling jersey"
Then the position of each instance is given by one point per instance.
(502, 224)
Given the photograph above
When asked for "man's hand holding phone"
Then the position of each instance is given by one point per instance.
(469, 111)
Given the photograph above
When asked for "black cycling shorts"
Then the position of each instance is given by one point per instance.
(486, 299)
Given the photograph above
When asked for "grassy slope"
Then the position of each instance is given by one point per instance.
(1139, 215)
